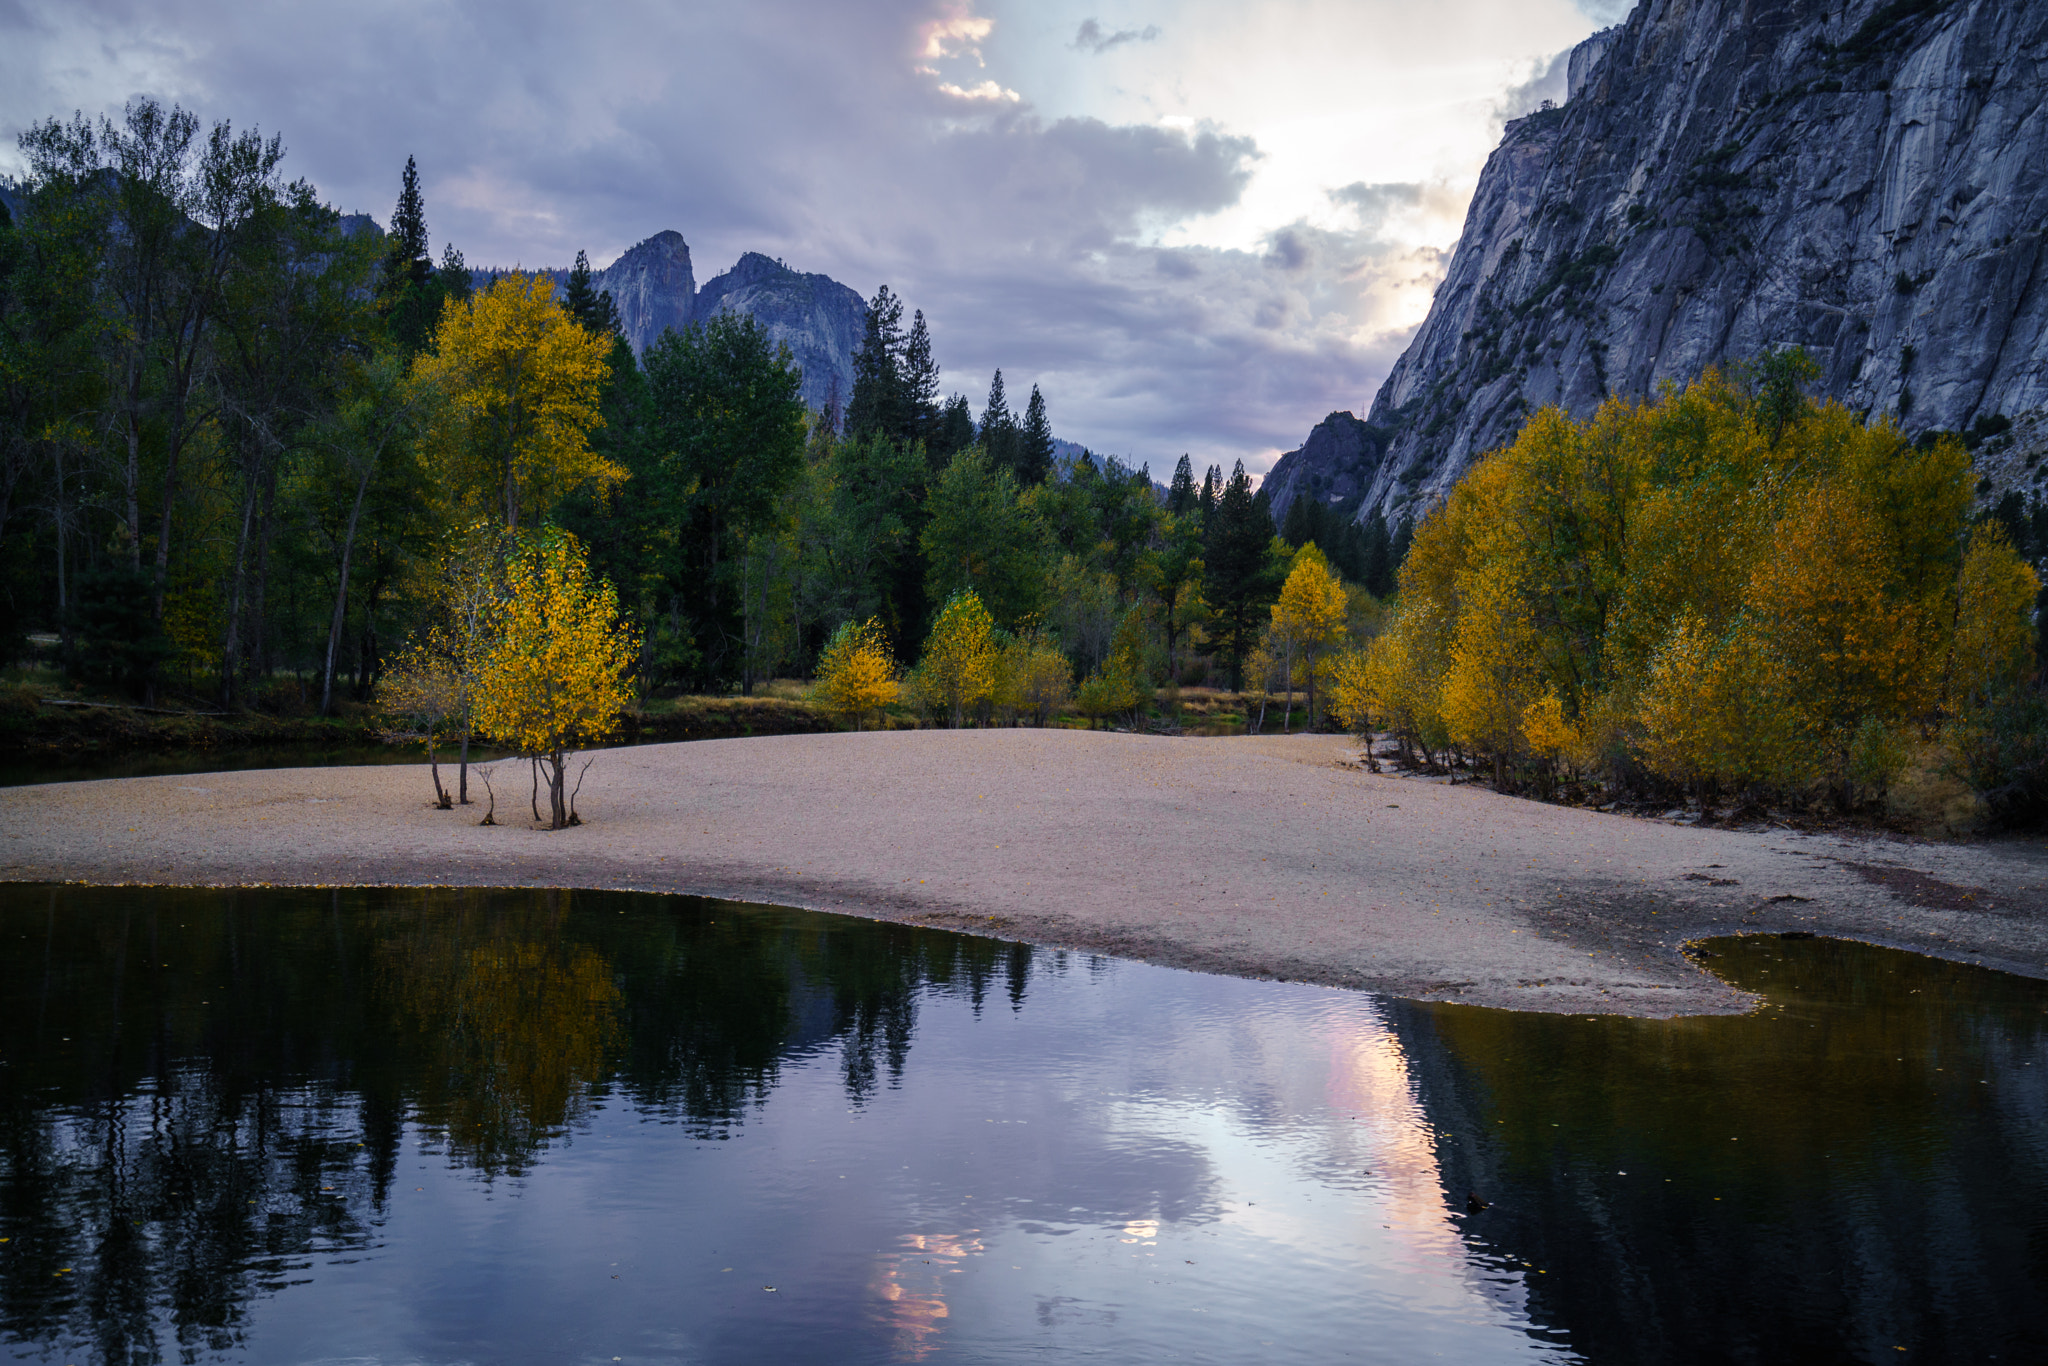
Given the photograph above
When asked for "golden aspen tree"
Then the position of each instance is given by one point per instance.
(1310, 616)
(554, 677)
(1993, 647)
(856, 676)
(1046, 679)
(958, 670)
(520, 382)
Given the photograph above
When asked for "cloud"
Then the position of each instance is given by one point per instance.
(1091, 37)
(957, 34)
(987, 91)
(863, 139)
(1546, 82)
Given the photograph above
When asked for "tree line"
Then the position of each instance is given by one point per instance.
(1729, 591)
(245, 439)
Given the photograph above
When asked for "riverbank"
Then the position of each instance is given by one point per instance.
(1261, 856)
(76, 731)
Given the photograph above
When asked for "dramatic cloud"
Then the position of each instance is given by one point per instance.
(1220, 226)
(1091, 37)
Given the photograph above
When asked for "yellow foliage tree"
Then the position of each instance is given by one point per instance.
(1310, 618)
(1742, 588)
(856, 675)
(519, 381)
(958, 672)
(1995, 594)
(554, 676)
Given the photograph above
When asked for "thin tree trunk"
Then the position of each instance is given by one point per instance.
(1287, 679)
(463, 781)
(231, 637)
(348, 547)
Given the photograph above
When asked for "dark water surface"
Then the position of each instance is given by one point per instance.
(451, 1126)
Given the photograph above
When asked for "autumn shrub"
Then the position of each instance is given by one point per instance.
(856, 676)
(555, 672)
(958, 671)
(1730, 590)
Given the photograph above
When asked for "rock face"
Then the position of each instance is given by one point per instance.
(816, 317)
(1868, 181)
(819, 319)
(1334, 465)
(653, 287)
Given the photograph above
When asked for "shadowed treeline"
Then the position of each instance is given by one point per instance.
(206, 1092)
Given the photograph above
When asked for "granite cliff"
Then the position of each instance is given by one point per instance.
(1867, 180)
(820, 320)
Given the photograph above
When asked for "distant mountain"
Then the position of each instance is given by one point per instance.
(820, 320)
(816, 317)
(1867, 179)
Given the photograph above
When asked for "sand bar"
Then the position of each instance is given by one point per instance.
(1268, 856)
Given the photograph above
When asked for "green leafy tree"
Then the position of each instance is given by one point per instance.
(725, 435)
(982, 540)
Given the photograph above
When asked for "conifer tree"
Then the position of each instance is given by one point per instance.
(409, 227)
(955, 431)
(998, 429)
(411, 301)
(1182, 497)
(1237, 584)
(920, 395)
(1034, 443)
(878, 393)
(577, 296)
(1212, 489)
(453, 274)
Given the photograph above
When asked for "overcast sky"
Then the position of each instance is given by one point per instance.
(1199, 225)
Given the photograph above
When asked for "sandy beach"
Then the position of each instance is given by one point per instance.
(1268, 856)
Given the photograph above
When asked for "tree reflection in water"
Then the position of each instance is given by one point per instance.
(206, 1092)
(1859, 1164)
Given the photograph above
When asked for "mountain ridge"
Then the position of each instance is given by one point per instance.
(1868, 181)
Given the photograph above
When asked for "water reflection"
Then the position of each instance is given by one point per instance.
(1858, 1167)
(539, 1126)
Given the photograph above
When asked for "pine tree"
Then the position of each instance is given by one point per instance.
(578, 297)
(878, 396)
(411, 297)
(409, 222)
(1182, 497)
(1237, 584)
(955, 431)
(453, 274)
(1034, 443)
(920, 384)
(1212, 489)
(998, 429)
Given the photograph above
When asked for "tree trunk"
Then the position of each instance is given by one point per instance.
(1287, 679)
(440, 796)
(462, 782)
(558, 802)
(348, 550)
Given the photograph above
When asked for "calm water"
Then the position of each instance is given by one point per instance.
(546, 1127)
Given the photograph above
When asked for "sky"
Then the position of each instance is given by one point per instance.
(1199, 226)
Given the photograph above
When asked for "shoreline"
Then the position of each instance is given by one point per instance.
(1266, 856)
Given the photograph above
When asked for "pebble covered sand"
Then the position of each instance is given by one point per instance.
(1268, 856)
